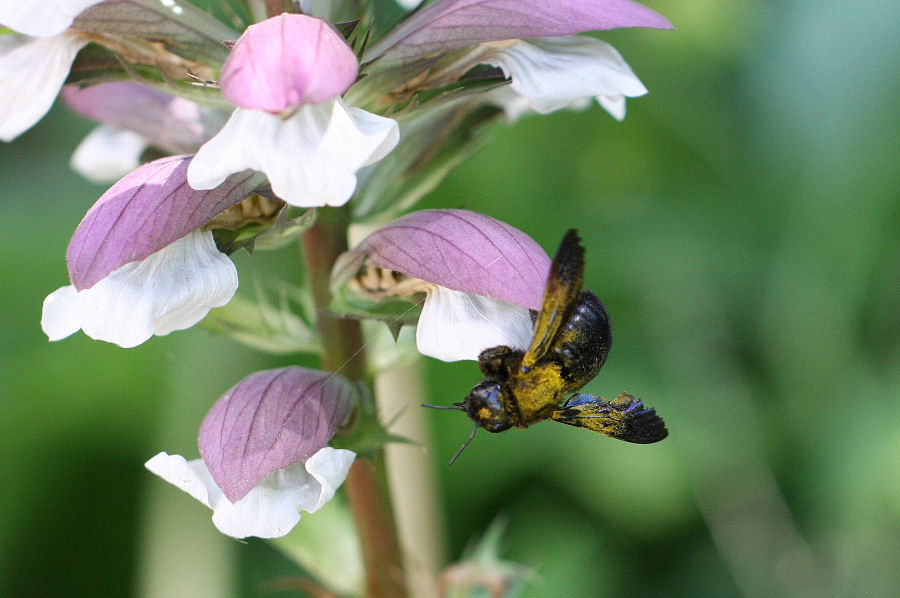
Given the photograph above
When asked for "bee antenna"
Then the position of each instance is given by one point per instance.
(465, 444)
(453, 406)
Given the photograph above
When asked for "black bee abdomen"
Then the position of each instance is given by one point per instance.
(583, 341)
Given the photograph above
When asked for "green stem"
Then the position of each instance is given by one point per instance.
(412, 478)
(366, 486)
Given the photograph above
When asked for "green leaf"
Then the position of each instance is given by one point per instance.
(364, 433)
(290, 224)
(280, 324)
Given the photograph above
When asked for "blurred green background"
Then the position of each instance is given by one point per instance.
(742, 228)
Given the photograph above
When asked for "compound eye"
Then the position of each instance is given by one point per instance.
(489, 396)
(485, 406)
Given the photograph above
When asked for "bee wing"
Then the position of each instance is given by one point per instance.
(624, 418)
(560, 294)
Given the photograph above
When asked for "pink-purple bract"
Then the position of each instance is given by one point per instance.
(461, 250)
(170, 123)
(287, 61)
(271, 420)
(450, 24)
(142, 213)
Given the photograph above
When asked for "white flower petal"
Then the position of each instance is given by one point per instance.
(455, 325)
(32, 71)
(172, 289)
(310, 159)
(271, 509)
(329, 468)
(108, 154)
(615, 105)
(189, 476)
(555, 73)
(514, 104)
(43, 17)
(58, 318)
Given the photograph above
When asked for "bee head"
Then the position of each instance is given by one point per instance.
(485, 405)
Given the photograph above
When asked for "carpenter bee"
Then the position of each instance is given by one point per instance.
(569, 345)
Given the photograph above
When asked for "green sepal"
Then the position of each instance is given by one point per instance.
(395, 327)
(363, 433)
(266, 234)
(349, 301)
(229, 241)
(478, 80)
(385, 16)
(347, 28)
(396, 312)
(288, 226)
(384, 86)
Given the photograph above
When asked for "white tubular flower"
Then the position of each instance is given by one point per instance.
(455, 325)
(481, 277)
(272, 508)
(140, 263)
(132, 118)
(107, 154)
(35, 62)
(562, 72)
(264, 453)
(525, 40)
(286, 75)
(454, 24)
(311, 158)
(32, 71)
(170, 290)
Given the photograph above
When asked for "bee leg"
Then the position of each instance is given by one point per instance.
(495, 362)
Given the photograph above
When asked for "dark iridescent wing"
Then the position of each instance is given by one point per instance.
(563, 287)
(624, 418)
